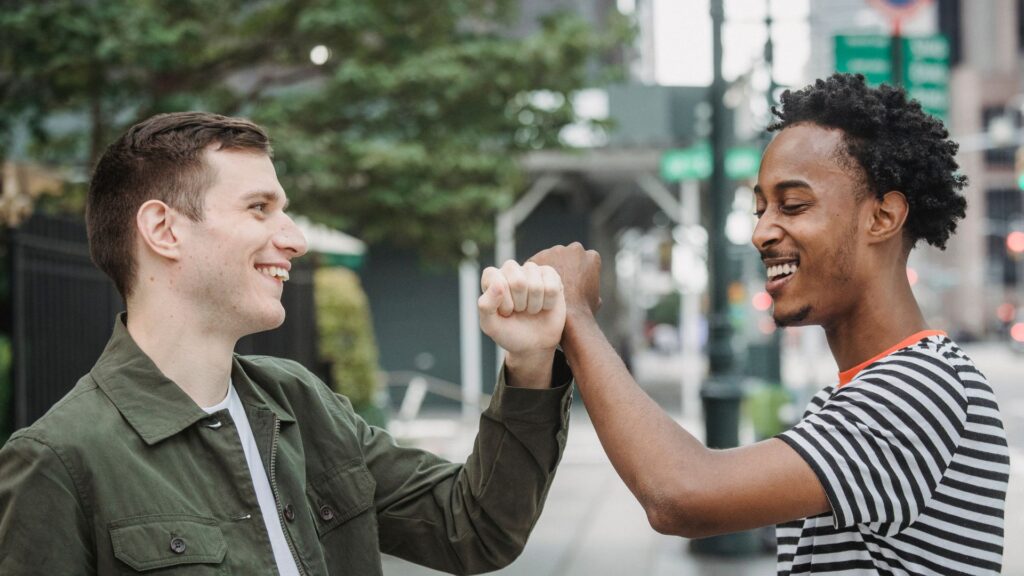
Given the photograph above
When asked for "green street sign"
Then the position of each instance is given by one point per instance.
(925, 66)
(742, 162)
(926, 73)
(694, 163)
(870, 55)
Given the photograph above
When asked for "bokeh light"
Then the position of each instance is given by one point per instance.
(762, 301)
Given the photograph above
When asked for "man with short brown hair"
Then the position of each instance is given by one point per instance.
(175, 454)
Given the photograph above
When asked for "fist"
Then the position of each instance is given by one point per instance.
(580, 271)
(522, 307)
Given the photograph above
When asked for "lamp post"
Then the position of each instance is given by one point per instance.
(721, 392)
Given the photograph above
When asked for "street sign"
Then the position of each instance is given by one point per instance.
(899, 9)
(694, 163)
(870, 55)
(742, 162)
(926, 73)
(925, 69)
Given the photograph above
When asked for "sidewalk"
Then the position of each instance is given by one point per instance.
(592, 525)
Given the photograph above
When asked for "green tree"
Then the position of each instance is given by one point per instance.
(408, 132)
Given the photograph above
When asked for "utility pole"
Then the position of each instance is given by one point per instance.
(722, 391)
(721, 356)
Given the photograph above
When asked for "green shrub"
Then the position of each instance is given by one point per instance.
(347, 343)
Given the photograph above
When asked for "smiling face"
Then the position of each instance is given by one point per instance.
(237, 257)
(810, 203)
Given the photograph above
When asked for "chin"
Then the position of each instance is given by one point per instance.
(268, 320)
(787, 318)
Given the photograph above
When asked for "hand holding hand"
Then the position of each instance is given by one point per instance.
(522, 307)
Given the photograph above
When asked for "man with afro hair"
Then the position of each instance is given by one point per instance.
(900, 467)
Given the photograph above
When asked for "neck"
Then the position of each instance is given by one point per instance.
(191, 353)
(884, 317)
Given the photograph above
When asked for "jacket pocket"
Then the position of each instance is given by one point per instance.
(340, 494)
(193, 543)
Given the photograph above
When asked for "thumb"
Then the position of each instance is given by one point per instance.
(491, 299)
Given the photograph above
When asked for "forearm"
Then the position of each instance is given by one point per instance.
(659, 461)
(476, 517)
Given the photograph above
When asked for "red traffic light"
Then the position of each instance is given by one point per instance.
(1015, 241)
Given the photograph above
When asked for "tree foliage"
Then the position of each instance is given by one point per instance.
(407, 133)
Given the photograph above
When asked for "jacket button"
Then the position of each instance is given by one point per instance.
(177, 545)
(289, 512)
(326, 513)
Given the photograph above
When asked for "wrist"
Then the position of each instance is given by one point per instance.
(529, 369)
(529, 358)
(578, 321)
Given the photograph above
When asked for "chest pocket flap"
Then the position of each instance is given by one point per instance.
(158, 541)
(340, 494)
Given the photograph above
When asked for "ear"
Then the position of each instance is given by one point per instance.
(156, 222)
(888, 215)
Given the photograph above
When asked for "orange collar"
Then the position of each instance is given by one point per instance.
(847, 375)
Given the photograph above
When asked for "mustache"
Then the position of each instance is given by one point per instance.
(778, 254)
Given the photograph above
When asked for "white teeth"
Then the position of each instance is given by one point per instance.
(781, 270)
(274, 272)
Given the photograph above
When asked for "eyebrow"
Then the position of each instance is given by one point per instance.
(267, 196)
(783, 186)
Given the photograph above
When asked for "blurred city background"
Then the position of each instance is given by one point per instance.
(422, 141)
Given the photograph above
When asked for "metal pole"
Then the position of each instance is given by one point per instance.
(897, 54)
(722, 391)
(469, 333)
(689, 309)
(720, 352)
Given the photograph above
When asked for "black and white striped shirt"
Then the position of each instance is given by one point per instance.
(913, 457)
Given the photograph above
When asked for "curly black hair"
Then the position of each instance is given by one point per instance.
(898, 146)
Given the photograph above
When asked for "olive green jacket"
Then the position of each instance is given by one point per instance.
(127, 475)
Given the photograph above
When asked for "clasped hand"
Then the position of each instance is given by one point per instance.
(522, 307)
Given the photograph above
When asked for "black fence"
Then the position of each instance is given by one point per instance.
(63, 311)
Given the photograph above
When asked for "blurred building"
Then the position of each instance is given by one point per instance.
(986, 46)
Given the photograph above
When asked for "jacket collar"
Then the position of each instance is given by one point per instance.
(154, 406)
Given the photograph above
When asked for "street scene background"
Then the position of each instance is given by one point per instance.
(420, 142)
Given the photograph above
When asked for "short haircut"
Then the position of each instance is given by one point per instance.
(896, 144)
(160, 158)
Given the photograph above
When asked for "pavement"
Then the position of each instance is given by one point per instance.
(592, 525)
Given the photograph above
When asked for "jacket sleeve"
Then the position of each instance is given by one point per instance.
(43, 528)
(474, 517)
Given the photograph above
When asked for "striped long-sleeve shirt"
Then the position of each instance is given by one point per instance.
(912, 455)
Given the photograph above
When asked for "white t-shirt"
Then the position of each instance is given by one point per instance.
(264, 495)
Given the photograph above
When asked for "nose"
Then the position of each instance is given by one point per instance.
(766, 233)
(290, 238)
